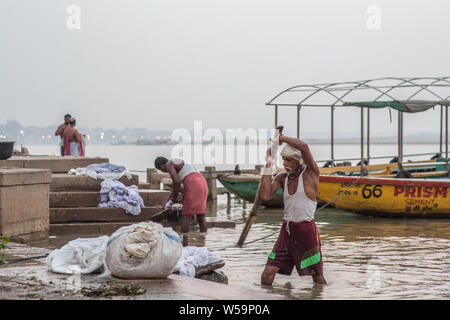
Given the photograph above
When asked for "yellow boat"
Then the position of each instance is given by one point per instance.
(245, 185)
(392, 197)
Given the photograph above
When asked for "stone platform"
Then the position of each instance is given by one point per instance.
(57, 164)
(24, 203)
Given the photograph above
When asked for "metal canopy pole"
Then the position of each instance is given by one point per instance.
(362, 140)
(400, 140)
(298, 121)
(440, 132)
(276, 115)
(332, 133)
(368, 135)
(446, 138)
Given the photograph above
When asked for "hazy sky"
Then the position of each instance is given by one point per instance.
(161, 64)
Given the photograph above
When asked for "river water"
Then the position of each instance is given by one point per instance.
(364, 257)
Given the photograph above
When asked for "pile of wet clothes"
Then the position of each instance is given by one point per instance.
(103, 171)
(115, 194)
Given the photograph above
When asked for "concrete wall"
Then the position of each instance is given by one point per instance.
(24, 204)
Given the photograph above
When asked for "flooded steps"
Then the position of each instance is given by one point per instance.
(107, 228)
(61, 199)
(73, 202)
(68, 182)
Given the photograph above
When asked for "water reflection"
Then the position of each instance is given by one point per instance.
(364, 257)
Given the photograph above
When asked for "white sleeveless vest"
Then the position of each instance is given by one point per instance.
(298, 207)
(186, 170)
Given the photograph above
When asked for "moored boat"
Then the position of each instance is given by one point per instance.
(426, 185)
(245, 185)
(392, 197)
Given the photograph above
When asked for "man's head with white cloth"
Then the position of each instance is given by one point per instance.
(292, 159)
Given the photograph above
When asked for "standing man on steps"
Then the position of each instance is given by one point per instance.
(60, 131)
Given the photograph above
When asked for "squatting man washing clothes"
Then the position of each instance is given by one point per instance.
(195, 190)
(298, 243)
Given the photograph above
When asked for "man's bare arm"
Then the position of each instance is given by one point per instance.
(269, 188)
(59, 131)
(176, 183)
(306, 153)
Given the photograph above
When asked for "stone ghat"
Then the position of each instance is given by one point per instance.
(69, 182)
(60, 199)
(75, 199)
(67, 203)
(74, 207)
(57, 164)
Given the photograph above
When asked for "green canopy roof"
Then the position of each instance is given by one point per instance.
(400, 105)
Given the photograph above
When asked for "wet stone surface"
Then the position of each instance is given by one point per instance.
(31, 279)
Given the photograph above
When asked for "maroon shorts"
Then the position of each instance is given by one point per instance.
(298, 245)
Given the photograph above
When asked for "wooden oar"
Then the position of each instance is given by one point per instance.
(255, 208)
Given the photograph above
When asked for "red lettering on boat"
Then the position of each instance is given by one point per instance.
(442, 191)
(419, 192)
(398, 190)
(427, 191)
(410, 191)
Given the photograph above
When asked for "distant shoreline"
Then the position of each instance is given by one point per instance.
(311, 142)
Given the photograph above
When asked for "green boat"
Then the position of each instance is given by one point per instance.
(245, 185)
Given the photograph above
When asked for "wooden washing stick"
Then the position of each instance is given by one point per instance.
(255, 208)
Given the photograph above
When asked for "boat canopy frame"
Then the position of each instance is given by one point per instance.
(387, 92)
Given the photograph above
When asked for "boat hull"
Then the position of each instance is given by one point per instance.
(246, 189)
(390, 197)
(427, 198)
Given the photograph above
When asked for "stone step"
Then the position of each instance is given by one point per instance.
(60, 199)
(57, 164)
(145, 185)
(96, 214)
(62, 181)
(107, 228)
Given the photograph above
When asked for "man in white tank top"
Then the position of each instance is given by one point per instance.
(298, 243)
(195, 191)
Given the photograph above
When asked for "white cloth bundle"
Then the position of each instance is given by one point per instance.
(143, 250)
(193, 257)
